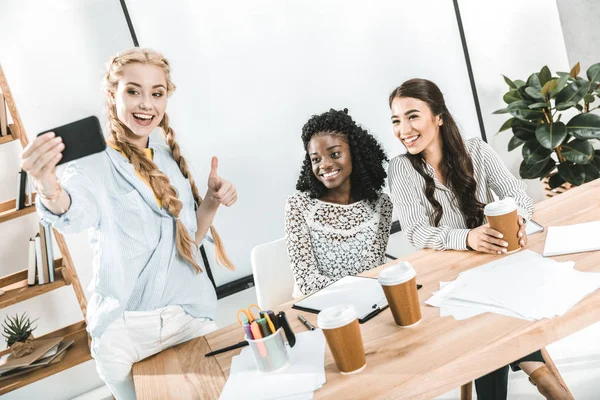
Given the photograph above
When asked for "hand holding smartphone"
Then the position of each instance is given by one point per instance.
(80, 138)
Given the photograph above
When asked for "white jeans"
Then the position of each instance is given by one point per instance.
(137, 335)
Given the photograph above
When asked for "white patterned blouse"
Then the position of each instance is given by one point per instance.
(328, 241)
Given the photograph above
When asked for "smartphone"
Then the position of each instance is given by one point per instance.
(81, 138)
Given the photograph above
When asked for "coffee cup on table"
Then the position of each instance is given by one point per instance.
(342, 332)
(400, 288)
(502, 217)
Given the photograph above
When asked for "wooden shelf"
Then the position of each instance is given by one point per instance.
(7, 139)
(16, 289)
(78, 353)
(8, 212)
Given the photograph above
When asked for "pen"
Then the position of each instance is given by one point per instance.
(264, 328)
(270, 323)
(226, 349)
(307, 324)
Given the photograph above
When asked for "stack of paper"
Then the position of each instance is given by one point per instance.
(304, 375)
(523, 285)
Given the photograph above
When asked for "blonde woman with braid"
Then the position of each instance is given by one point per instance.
(146, 220)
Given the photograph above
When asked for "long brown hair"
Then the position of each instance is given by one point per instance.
(158, 181)
(456, 165)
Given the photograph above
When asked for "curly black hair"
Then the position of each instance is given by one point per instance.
(368, 174)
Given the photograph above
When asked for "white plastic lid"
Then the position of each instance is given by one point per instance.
(396, 274)
(500, 207)
(336, 316)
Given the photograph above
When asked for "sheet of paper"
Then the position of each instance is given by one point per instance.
(304, 375)
(522, 285)
(572, 239)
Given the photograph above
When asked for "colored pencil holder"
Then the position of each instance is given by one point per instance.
(270, 353)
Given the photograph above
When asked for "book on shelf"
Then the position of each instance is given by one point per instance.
(3, 116)
(31, 267)
(38, 258)
(11, 367)
(21, 190)
(49, 250)
(45, 264)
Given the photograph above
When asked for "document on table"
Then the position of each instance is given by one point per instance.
(304, 375)
(515, 286)
(569, 239)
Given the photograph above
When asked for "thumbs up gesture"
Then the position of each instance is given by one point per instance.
(220, 189)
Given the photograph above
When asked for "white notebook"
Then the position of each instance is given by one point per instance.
(361, 292)
(569, 239)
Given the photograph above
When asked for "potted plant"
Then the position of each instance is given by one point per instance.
(17, 332)
(558, 152)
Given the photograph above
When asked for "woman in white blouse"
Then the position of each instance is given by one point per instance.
(145, 218)
(439, 188)
(338, 223)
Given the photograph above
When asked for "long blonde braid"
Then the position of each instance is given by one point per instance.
(220, 255)
(157, 180)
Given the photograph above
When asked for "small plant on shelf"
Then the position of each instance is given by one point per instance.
(17, 332)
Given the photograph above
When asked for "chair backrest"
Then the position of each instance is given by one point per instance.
(272, 272)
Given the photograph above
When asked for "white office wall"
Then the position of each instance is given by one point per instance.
(513, 38)
(53, 54)
(250, 74)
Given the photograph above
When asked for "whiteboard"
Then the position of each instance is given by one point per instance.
(250, 74)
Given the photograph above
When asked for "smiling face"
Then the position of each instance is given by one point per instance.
(330, 159)
(141, 99)
(414, 124)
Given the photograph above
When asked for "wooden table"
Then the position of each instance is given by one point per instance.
(436, 356)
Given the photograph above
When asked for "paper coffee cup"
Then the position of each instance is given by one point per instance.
(342, 332)
(400, 287)
(502, 216)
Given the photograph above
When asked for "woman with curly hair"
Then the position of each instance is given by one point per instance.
(440, 188)
(338, 224)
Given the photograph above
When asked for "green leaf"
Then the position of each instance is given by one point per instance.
(510, 83)
(555, 181)
(591, 172)
(593, 73)
(511, 96)
(514, 143)
(589, 98)
(532, 171)
(534, 81)
(520, 109)
(533, 152)
(566, 106)
(579, 107)
(523, 130)
(550, 136)
(519, 83)
(501, 111)
(560, 85)
(561, 74)
(578, 151)
(574, 174)
(549, 86)
(507, 124)
(524, 95)
(544, 75)
(550, 166)
(575, 70)
(535, 93)
(596, 159)
(584, 126)
(539, 105)
(573, 92)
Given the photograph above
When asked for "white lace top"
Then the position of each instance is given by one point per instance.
(326, 241)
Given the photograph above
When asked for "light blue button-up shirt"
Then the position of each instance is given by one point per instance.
(136, 263)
